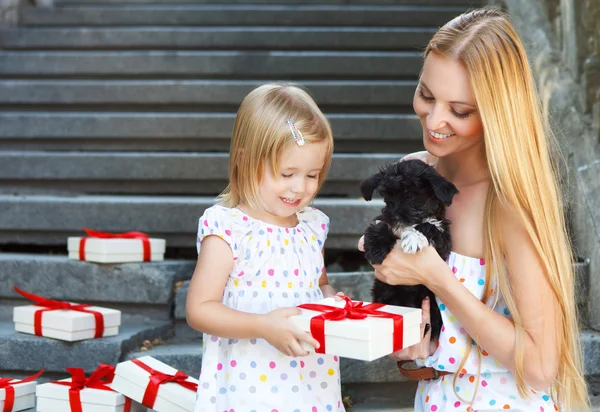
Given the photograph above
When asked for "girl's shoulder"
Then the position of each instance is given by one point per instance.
(315, 221)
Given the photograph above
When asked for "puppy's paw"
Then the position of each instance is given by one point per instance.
(411, 240)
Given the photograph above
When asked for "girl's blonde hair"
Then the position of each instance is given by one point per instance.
(524, 176)
(261, 135)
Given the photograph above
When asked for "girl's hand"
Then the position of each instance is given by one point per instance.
(424, 348)
(276, 329)
(329, 291)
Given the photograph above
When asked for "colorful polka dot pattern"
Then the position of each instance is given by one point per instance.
(496, 387)
(273, 267)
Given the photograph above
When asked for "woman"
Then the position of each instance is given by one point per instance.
(506, 293)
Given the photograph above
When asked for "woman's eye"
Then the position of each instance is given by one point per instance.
(426, 98)
(286, 176)
(460, 115)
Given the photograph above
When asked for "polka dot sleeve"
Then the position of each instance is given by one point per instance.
(215, 222)
(317, 221)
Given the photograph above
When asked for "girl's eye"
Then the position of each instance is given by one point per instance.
(286, 176)
(313, 177)
(460, 115)
(426, 98)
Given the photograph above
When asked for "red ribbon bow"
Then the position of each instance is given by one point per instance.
(157, 378)
(9, 390)
(352, 310)
(105, 235)
(103, 375)
(51, 305)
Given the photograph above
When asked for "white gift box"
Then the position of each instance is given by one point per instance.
(55, 398)
(68, 325)
(24, 396)
(132, 381)
(364, 339)
(115, 250)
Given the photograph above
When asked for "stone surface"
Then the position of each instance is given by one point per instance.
(237, 38)
(169, 173)
(591, 352)
(58, 277)
(197, 93)
(242, 64)
(31, 353)
(244, 15)
(565, 99)
(471, 3)
(49, 219)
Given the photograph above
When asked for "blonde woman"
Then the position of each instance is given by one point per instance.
(260, 255)
(506, 293)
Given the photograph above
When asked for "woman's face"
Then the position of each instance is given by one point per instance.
(446, 107)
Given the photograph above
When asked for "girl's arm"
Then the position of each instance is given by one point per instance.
(206, 313)
(536, 304)
(326, 288)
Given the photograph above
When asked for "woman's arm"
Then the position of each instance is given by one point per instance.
(535, 303)
(422, 155)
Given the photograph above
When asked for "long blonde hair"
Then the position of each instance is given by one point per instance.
(524, 176)
(261, 134)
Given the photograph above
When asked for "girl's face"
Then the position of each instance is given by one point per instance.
(446, 107)
(294, 185)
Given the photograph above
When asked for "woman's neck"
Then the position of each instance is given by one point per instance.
(464, 168)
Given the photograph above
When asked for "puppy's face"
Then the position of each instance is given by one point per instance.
(412, 191)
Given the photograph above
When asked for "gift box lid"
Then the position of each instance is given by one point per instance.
(137, 376)
(87, 395)
(67, 320)
(21, 389)
(115, 245)
(359, 329)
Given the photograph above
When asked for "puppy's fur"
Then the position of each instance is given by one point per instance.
(416, 197)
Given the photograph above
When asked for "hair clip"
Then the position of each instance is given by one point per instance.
(296, 133)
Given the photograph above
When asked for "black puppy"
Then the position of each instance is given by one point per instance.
(415, 197)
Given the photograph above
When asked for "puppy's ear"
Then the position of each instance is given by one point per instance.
(368, 186)
(442, 188)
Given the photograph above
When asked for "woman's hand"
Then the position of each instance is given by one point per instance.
(400, 268)
(424, 348)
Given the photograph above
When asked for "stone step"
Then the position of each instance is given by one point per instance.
(242, 15)
(196, 94)
(142, 290)
(223, 38)
(470, 3)
(187, 357)
(29, 353)
(218, 64)
(156, 173)
(49, 220)
(187, 131)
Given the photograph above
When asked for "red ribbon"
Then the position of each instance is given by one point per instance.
(51, 305)
(352, 310)
(105, 235)
(157, 378)
(9, 390)
(103, 375)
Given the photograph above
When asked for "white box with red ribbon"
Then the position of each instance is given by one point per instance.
(104, 247)
(18, 395)
(65, 320)
(359, 330)
(81, 394)
(169, 390)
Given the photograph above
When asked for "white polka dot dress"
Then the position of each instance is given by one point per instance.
(274, 267)
(496, 389)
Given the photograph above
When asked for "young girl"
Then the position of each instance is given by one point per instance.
(260, 255)
(510, 338)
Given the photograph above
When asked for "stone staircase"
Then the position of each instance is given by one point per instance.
(116, 115)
